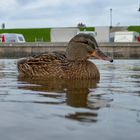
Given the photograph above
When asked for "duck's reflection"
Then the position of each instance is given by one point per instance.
(83, 116)
(75, 93)
(76, 90)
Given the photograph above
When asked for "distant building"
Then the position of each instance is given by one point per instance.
(102, 33)
(63, 34)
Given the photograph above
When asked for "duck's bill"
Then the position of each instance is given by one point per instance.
(100, 55)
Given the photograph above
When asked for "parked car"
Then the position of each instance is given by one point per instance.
(126, 36)
(11, 38)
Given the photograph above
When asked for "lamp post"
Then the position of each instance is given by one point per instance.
(110, 17)
(139, 8)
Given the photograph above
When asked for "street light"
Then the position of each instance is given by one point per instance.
(110, 17)
(139, 8)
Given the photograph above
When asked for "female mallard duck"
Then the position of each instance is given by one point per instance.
(73, 64)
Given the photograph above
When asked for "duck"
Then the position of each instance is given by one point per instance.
(74, 63)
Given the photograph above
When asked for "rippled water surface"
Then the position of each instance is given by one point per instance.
(71, 110)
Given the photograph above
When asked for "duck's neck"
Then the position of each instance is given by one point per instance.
(82, 69)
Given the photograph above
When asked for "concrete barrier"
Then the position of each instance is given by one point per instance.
(18, 50)
(122, 50)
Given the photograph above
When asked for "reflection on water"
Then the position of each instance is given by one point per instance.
(83, 116)
(71, 109)
(76, 90)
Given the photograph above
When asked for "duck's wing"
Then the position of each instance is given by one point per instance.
(48, 64)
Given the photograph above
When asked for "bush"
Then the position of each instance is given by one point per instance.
(134, 28)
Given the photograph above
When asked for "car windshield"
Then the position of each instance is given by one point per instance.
(20, 38)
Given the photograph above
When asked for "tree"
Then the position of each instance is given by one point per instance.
(81, 25)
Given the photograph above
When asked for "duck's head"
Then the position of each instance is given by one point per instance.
(83, 46)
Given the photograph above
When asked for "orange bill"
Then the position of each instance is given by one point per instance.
(100, 55)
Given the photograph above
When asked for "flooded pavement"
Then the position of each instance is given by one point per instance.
(40, 109)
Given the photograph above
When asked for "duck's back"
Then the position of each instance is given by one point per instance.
(44, 65)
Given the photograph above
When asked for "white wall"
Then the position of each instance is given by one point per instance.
(63, 34)
(103, 33)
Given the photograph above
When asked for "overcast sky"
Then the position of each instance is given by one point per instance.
(68, 13)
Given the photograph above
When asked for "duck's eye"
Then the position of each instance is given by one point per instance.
(85, 42)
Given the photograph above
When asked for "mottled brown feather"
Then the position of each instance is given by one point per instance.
(56, 65)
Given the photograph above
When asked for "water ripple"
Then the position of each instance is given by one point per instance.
(38, 104)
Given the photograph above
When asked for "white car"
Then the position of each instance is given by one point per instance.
(11, 38)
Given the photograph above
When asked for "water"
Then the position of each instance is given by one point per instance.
(77, 110)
